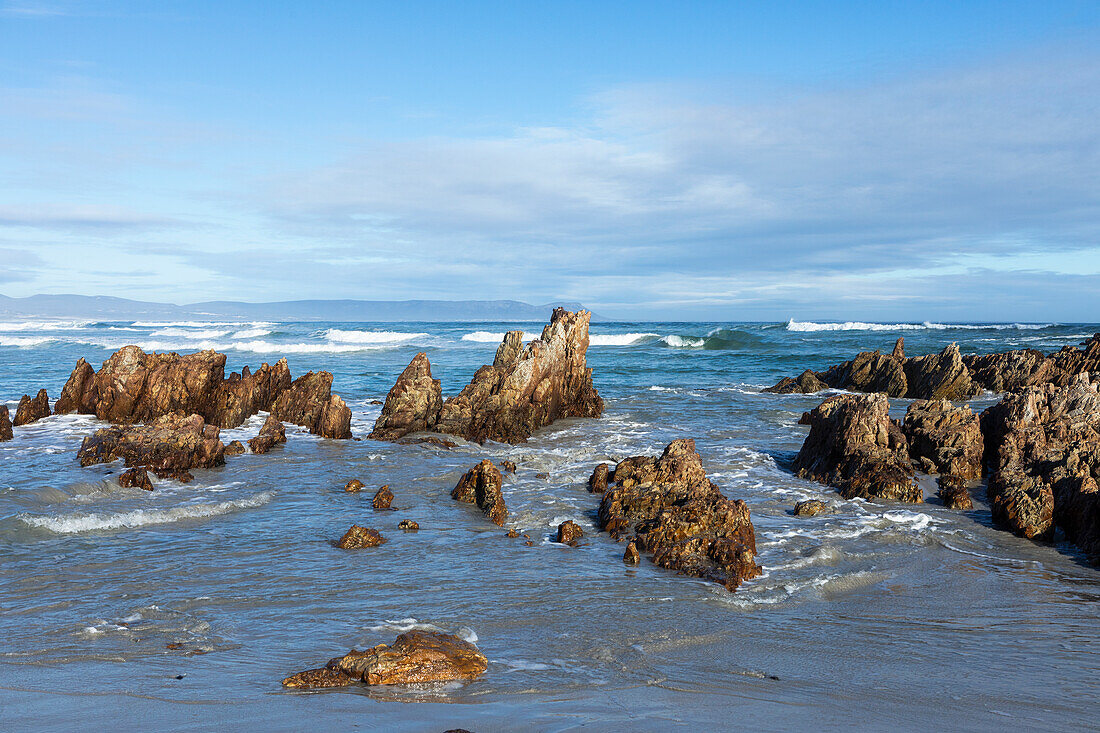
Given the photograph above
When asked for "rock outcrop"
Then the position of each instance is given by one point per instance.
(137, 478)
(481, 486)
(416, 657)
(810, 508)
(413, 403)
(383, 498)
(569, 533)
(944, 439)
(309, 402)
(953, 492)
(669, 508)
(597, 482)
(807, 382)
(853, 445)
(271, 434)
(524, 389)
(32, 409)
(5, 424)
(356, 538)
(234, 448)
(169, 445)
(941, 376)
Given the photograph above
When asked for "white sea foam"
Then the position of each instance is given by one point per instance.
(205, 333)
(198, 324)
(372, 337)
(683, 342)
(491, 337)
(620, 339)
(24, 341)
(77, 523)
(8, 326)
(259, 346)
(811, 326)
(251, 333)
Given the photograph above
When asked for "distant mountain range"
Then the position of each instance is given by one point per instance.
(120, 309)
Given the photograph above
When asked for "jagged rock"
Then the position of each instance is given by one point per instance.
(631, 556)
(354, 486)
(242, 395)
(899, 349)
(1070, 361)
(508, 466)
(1022, 503)
(383, 498)
(1011, 371)
(413, 403)
(953, 492)
(854, 446)
(870, 371)
(481, 486)
(76, 395)
(416, 657)
(944, 439)
(358, 537)
(32, 409)
(335, 420)
(429, 440)
(807, 382)
(810, 508)
(408, 525)
(569, 533)
(234, 448)
(309, 402)
(271, 434)
(169, 445)
(135, 478)
(941, 376)
(5, 424)
(597, 482)
(669, 508)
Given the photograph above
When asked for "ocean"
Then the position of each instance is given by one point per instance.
(184, 608)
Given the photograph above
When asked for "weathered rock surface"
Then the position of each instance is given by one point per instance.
(631, 556)
(309, 402)
(383, 498)
(415, 657)
(32, 409)
(524, 389)
(597, 482)
(944, 439)
(854, 446)
(669, 508)
(413, 403)
(135, 478)
(508, 466)
(169, 445)
(354, 486)
(953, 492)
(810, 508)
(243, 395)
(941, 376)
(408, 525)
(6, 432)
(871, 371)
(807, 382)
(234, 448)
(271, 434)
(569, 533)
(358, 537)
(481, 486)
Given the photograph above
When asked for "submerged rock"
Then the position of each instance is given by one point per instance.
(169, 446)
(416, 657)
(631, 556)
(354, 486)
(481, 486)
(810, 508)
(854, 446)
(508, 466)
(383, 498)
(408, 525)
(5, 424)
(669, 508)
(32, 409)
(271, 434)
(137, 478)
(944, 439)
(524, 389)
(358, 537)
(953, 492)
(807, 382)
(569, 533)
(234, 448)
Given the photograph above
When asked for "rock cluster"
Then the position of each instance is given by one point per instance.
(169, 446)
(481, 486)
(953, 492)
(309, 402)
(32, 409)
(271, 434)
(810, 508)
(668, 507)
(948, 375)
(415, 657)
(524, 389)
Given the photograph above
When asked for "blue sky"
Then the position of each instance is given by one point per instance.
(871, 161)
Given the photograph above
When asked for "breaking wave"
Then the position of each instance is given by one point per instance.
(77, 523)
(811, 326)
(719, 338)
(372, 337)
(43, 325)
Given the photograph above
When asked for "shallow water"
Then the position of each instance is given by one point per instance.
(877, 616)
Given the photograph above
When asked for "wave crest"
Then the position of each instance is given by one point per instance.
(77, 523)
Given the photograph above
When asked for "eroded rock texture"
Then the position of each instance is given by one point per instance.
(481, 486)
(944, 439)
(135, 478)
(854, 446)
(524, 389)
(415, 657)
(309, 402)
(356, 538)
(169, 445)
(271, 434)
(5, 424)
(32, 409)
(668, 507)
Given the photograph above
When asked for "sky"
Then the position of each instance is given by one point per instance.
(652, 160)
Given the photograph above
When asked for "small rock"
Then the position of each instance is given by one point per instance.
(529, 543)
(382, 498)
(315, 679)
(508, 466)
(235, 448)
(542, 475)
(5, 424)
(354, 486)
(408, 525)
(271, 434)
(953, 492)
(137, 478)
(375, 402)
(631, 556)
(481, 486)
(359, 537)
(512, 533)
(32, 409)
(569, 532)
(810, 507)
(597, 482)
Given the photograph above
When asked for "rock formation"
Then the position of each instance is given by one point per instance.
(32, 409)
(309, 402)
(810, 508)
(669, 508)
(354, 486)
(5, 424)
(569, 533)
(234, 448)
(383, 498)
(271, 434)
(854, 446)
(944, 439)
(524, 389)
(481, 486)
(169, 445)
(597, 482)
(953, 492)
(135, 478)
(408, 525)
(356, 538)
(416, 657)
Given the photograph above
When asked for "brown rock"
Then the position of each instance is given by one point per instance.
(944, 439)
(512, 533)
(271, 434)
(669, 507)
(316, 679)
(543, 475)
(5, 424)
(169, 445)
(309, 402)
(413, 403)
(597, 482)
(416, 657)
(810, 508)
(941, 376)
(234, 448)
(508, 466)
(76, 396)
(335, 420)
(899, 349)
(358, 537)
(481, 486)
(31, 410)
(354, 486)
(408, 525)
(953, 492)
(870, 371)
(382, 498)
(1011, 371)
(243, 395)
(807, 382)
(854, 446)
(631, 556)
(569, 533)
(135, 478)
(429, 440)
